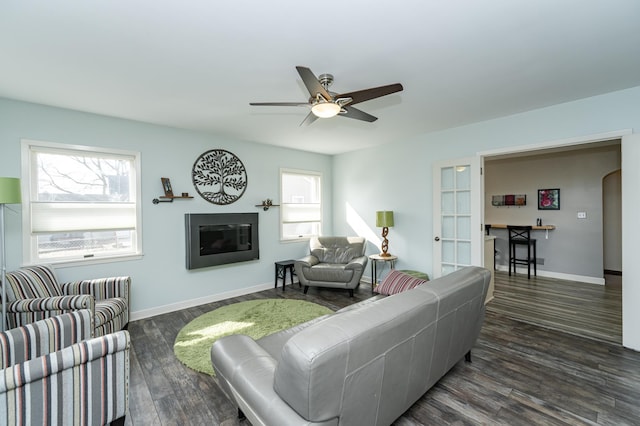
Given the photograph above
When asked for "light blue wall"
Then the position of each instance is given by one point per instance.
(160, 278)
(398, 176)
(393, 177)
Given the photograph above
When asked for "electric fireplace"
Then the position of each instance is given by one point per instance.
(220, 238)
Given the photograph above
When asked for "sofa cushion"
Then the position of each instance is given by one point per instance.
(398, 281)
(32, 282)
(335, 254)
(273, 343)
(337, 249)
(416, 274)
(329, 272)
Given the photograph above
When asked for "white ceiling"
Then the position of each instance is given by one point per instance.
(197, 64)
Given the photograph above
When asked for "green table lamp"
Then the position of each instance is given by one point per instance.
(384, 219)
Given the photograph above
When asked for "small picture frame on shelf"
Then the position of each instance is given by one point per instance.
(549, 199)
(166, 185)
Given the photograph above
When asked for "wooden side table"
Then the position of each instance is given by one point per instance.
(281, 272)
(375, 258)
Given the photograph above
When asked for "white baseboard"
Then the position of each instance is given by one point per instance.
(557, 275)
(147, 313)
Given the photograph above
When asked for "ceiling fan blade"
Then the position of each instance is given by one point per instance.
(279, 103)
(367, 94)
(352, 112)
(310, 118)
(313, 85)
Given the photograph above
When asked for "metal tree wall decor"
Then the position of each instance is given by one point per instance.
(219, 176)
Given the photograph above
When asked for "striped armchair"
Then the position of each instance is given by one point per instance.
(50, 374)
(34, 293)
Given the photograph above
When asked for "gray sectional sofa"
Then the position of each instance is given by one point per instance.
(363, 365)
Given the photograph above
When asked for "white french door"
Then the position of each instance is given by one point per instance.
(457, 212)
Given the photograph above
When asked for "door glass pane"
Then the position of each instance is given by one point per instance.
(447, 178)
(447, 269)
(463, 177)
(448, 227)
(448, 252)
(448, 203)
(463, 202)
(464, 252)
(463, 227)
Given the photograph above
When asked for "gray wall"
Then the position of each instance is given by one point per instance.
(612, 219)
(575, 247)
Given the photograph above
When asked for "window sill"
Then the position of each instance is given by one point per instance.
(296, 240)
(91, 261)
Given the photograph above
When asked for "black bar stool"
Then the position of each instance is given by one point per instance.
(521, 236)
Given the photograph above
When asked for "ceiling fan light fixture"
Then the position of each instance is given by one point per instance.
(325, 109)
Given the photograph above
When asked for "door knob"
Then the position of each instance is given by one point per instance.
(437, 239)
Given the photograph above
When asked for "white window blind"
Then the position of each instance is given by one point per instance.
(300, 212)
(68, 217)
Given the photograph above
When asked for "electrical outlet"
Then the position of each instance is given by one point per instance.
(582, 215)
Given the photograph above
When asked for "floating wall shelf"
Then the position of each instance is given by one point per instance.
(165, 199)
(168, 196)
(266, 204)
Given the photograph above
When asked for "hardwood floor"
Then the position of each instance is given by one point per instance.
(588, 310)
(521, 373)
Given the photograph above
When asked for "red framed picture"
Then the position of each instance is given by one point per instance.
(549, 199)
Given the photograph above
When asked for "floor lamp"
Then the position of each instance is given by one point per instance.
(9, 194)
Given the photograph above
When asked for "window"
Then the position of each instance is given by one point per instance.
(82, 203)
(300, 204)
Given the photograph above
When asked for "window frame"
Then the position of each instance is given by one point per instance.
(29, 241)
(308, 173)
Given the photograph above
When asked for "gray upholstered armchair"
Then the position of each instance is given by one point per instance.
(34, 293)
(336, 262)
(51, 374)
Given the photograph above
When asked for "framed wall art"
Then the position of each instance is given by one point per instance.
(549, 199)
(509, 200)
(219, 177)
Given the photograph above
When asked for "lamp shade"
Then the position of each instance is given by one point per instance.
(10, 190)
(384, 219)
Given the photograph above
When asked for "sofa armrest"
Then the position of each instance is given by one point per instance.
(246, 373)
(357, 263)
(51, 304)
(307, 261)
(101, 364)
(100, 288)
(302, 265)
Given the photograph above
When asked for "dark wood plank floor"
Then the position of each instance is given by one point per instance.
(583, 309)
(521, 374)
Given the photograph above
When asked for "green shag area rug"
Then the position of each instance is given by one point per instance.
(255, 318)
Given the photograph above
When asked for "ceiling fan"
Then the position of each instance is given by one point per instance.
(326, 104)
